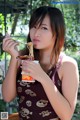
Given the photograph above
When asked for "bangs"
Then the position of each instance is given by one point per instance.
(37, 18)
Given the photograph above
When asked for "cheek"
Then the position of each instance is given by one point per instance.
(49, 38)
(31, 35)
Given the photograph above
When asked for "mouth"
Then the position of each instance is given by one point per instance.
(35, 41)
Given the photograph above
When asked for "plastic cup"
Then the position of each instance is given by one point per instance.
(26, 77)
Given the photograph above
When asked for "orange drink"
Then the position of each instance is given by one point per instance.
(26, 77)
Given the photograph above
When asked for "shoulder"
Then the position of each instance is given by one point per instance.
(69, 61)
(69, 67)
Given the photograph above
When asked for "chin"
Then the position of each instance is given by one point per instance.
(36, 47)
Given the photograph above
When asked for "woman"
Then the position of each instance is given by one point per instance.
(53, 95)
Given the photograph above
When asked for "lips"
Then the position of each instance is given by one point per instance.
(35, 41)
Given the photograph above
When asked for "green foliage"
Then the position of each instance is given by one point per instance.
(72, 24)
(76, 115)
(78, 61)
(2, 106)
(1, 23)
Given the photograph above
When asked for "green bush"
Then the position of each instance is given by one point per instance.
(76, 115)
(2, 106)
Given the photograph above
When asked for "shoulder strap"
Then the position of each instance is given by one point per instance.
(58, 65)
(60, 61)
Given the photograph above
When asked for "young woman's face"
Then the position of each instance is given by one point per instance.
(42, 36)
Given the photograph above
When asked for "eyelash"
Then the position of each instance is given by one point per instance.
(42, 28)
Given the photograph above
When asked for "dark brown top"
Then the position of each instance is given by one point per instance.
(33, 101)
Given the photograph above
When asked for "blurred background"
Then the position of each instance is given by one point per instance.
(14, 19)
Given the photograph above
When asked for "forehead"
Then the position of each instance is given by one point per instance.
(46, 20)
(39, 20)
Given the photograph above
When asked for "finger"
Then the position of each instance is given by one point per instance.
(5, 40)
(7, 36)
(11, 45)
(8, 42)
(29, 62)
(4, 43)
(26, 69)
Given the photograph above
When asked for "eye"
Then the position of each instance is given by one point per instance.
(44, 28)
(34, 26)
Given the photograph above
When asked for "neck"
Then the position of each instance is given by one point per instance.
(45, 60)
(45, 56)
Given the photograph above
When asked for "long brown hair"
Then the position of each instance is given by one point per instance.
(57, 26)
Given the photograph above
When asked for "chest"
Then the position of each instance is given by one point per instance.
(26, 88)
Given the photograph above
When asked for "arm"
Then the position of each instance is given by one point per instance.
(63, 105)
(9, 83)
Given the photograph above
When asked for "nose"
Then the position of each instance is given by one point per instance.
(37, 32)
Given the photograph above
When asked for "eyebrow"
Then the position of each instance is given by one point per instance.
(44, 24)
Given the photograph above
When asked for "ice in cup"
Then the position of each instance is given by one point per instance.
(26, 77)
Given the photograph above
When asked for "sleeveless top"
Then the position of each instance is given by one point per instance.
(33, 101)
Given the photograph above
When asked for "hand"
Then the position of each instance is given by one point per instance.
(10, 46)
(34, 69)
